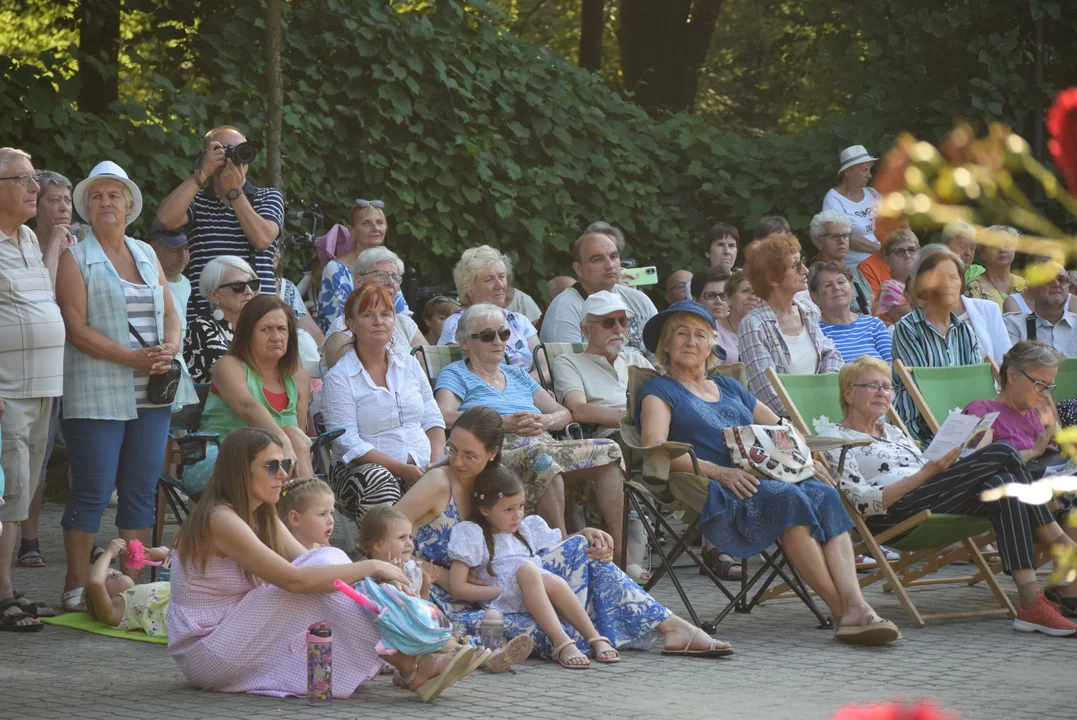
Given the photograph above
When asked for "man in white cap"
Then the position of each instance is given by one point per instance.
(853, 197)
(593, 384)
(31, 370)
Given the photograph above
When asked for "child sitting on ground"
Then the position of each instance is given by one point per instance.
(115, 599)
(499, 546)
(306, 507)
(386, 534)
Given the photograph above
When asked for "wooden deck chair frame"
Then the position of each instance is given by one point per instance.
(660, 487)
(907, 571)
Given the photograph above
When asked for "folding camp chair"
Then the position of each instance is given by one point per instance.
(661, 487)
(923, 538)
(435, 357)
(549, 352)
(938, 391)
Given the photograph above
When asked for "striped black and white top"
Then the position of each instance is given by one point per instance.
(213, 230)
(140, 314)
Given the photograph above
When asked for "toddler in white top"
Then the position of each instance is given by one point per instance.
(499, 548)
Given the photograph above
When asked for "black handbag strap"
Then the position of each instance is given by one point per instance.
(137, 336)
(579, 289)
(1030, 326)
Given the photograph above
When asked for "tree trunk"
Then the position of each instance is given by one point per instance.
(99, 39)
(275, 94)
(663, 46)
(592, 23)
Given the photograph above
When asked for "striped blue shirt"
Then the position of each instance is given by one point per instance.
(867, 335)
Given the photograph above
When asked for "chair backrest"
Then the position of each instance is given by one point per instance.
(638, 377)
(550, 351)
(1066, 380)
(811, 399)
(937, 391)
(434, 358)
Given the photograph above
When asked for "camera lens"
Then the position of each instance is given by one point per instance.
(244, 153)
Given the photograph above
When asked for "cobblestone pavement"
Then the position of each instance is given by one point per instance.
(784, 668)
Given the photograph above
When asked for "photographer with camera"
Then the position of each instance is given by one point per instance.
(224, 214)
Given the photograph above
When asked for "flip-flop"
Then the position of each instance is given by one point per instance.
(557, 652)
(454, 671)
(873, 631)
(37, 608)
(711, 652)
(607, 661)
(9, 621)
(30, 554)
(477, 660)
(73, 600)
(514, 651)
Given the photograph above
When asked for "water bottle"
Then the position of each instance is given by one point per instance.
(319, 664)
(492, 629)
(637, 537)
(164, 570)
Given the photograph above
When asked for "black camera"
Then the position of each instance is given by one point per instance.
(242, 154)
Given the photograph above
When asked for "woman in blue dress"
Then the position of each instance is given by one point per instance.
(744, 514)
(619, 608)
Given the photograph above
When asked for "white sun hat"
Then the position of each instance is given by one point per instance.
(854, 155)
(106, 170)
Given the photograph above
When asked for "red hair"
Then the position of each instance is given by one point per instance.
(765, 261)
(368, 296)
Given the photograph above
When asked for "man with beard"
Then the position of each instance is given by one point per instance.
(593, 384)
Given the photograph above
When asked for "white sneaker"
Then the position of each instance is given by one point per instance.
(114, 500)
(865, 563)
(891, 555)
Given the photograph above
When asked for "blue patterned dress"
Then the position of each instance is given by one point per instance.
(618, 607)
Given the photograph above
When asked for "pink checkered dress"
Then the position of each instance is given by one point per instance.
(229, 635)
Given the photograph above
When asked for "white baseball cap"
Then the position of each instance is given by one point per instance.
(604, 302)
(106, 170)
(854, 155)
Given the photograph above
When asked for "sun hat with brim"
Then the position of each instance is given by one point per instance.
(106, 170)
(171, 238)
(604, 302)
(854, 155)
(653, 329)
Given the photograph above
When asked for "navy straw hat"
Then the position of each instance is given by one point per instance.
(653, 329)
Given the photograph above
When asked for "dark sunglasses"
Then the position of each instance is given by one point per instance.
(711, 296)
(611, 322)
(275, 466)
(370, 203)
(488, 336)
(238, 286)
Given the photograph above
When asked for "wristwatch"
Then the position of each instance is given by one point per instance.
(233, 194)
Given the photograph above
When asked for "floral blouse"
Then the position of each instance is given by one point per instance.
(982, 288)
(207, 341)
(871, 468)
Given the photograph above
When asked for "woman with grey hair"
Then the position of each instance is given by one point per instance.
(52, 224)
(380, 266)
(545, 466)
(482, 276)
(228, 283)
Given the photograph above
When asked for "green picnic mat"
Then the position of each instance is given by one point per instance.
(83, 621)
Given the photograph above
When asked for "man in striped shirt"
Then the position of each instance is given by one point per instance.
(224, 215)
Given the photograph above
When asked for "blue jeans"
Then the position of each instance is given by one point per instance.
(127, 455)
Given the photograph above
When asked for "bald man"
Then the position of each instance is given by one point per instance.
(677, 285)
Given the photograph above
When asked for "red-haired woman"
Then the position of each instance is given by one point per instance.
(380, 395)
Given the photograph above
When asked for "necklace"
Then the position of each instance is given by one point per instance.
(495, 381)
(1004, 293)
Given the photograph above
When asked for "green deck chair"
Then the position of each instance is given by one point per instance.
(937, 391)
(1066, 380)
(921, 539)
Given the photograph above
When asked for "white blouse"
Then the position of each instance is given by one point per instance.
(392, 419)
(870, 468)
(803, 357)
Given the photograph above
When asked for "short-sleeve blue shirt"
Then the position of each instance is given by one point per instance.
(472, 390)
(699, 422)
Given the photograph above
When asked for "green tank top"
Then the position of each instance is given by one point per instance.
(221, 419)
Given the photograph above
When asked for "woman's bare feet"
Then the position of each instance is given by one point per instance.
(679, 635)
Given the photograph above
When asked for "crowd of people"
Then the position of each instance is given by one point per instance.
(105, 337)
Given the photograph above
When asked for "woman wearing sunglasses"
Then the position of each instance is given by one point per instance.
(228, 283)
(546, 466)
(259, 383)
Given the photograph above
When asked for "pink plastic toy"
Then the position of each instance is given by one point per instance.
(136, 555)
(356, 596)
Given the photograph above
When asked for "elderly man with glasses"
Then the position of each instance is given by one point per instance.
(31, 370)
(1051, 321)
(593, 384)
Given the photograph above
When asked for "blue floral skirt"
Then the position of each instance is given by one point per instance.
(743, 528)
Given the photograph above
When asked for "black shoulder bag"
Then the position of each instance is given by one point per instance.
(162, 388)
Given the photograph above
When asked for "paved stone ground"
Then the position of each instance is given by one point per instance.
(784, 668)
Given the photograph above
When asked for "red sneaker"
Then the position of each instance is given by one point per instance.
(1043, 617)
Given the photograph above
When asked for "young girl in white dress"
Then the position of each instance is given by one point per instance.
(499, 546)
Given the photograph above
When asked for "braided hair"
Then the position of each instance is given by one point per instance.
(491, 486)
(296, 494)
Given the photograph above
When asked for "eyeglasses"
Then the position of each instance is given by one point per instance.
(876, 387)
(838, 236)
(487, 336)
(240, 285)
(370, 203)
(383, 276)
(275, 466)
(798, 264)
(910, 251)
(1041, 386)
(711, 296)
(610, 322)
(453, 452)
(25, 179)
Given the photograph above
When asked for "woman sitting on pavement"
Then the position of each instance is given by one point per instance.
(889, 481)
(620, 610)
(258, 384)
(831, 286)
(381, 397)
(744, 515)
(228, 283)
(545, 466)
(243, 590)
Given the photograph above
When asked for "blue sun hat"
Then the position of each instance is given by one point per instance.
(653, 329)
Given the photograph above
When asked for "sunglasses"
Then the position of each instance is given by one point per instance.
(487, 336)
(275, 466)
(711, 296)
(239, 286)
(611, 322)
(370, 203)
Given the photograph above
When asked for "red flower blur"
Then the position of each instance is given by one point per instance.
(923, 710)
(1062, 124)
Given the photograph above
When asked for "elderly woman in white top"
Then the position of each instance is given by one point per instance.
(380, 395)
(853, 198)
(482, 276)
(380, 266)
(228, 283)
